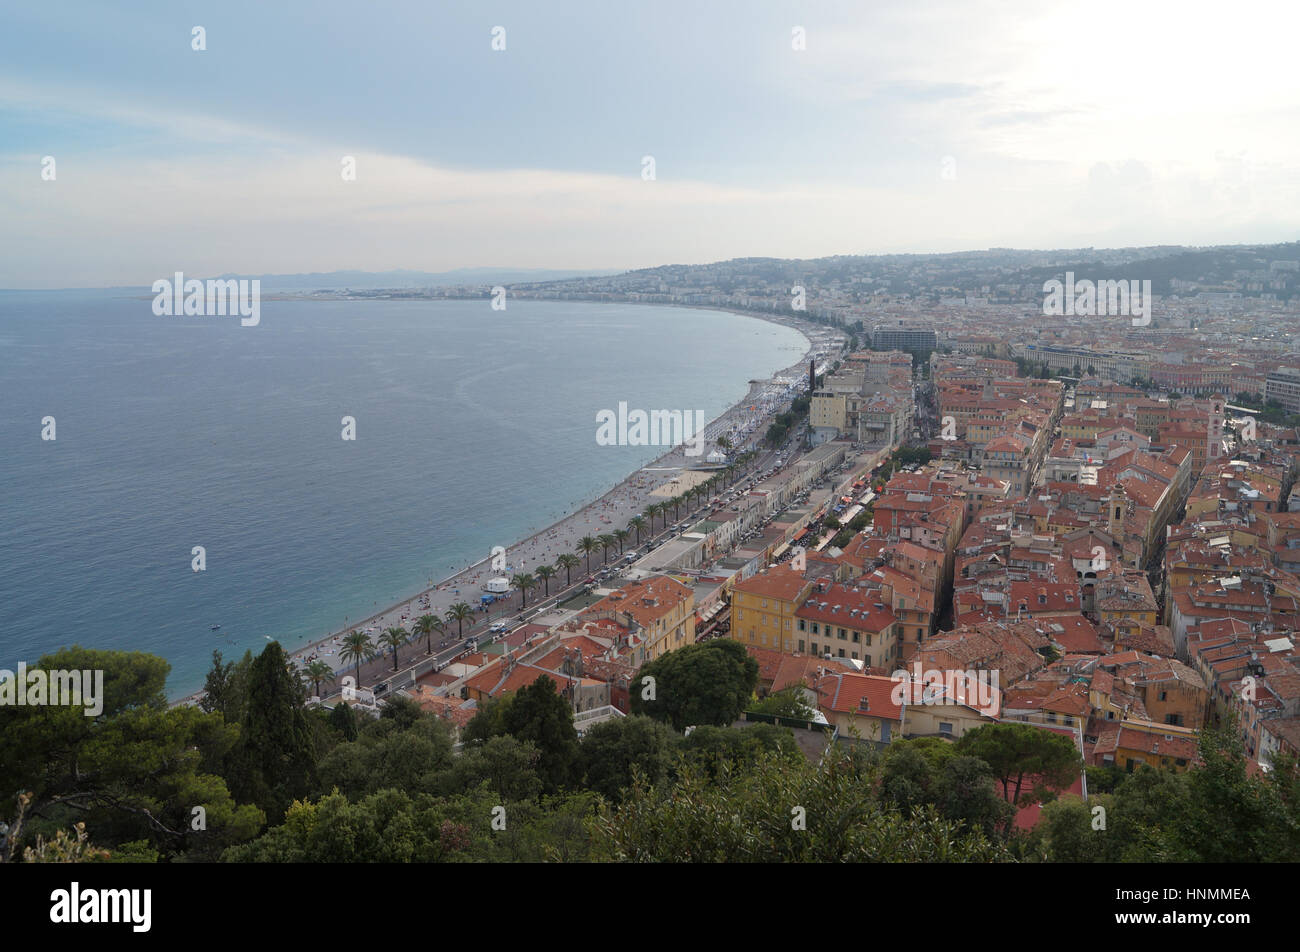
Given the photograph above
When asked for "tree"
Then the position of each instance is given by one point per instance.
(318, 671)
(606, 541)
(344, 720)
(405, 749)
(525, 583)
(506, 765)
(707, 683)
(394, 638)
(460, 613)
(620, 535)
(544, 574)
(134, 770)
(1017, 751)
(567, 561)
(274, 761)
(788, 702)
(539, 715)
(826, 814)
(226, 686)
(718, 750)
(357, 647)
(965, 792)
(613, 749)
(588, 545)
(424, 627)
(637, 525)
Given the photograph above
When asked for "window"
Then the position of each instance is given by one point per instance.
(945, 728)
(843, 635)
(801, 645)
(814, 647)
(787, 624)
(802, 625)
(841, 652)
(816, 629)
(855, 656)
(857, 638)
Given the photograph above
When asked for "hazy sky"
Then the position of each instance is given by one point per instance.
(903, 126)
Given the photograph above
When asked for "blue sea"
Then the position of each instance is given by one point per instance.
(474, 428)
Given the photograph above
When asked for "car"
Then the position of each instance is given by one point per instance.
(499, 627)
(381, 687)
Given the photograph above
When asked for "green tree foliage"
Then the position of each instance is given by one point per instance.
(135, 771)
(540, 716)
(1017, 751)
(707, 683)
(344, 720)
(788, 702)
(393, 827)
(275, 760)
(226, 687)
(779, 811)
(504, 766)
(613, 749)
(717, 749)
(404, 750)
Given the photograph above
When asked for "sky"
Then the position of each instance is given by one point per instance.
(904, 126)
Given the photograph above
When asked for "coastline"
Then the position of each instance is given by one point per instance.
(652, 481)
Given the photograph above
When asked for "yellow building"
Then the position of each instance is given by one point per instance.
(763, 608)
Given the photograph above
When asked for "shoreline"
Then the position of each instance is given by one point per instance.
(611, 510)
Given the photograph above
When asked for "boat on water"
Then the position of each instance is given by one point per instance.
(214, 628)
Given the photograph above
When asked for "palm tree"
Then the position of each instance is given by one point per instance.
(545, 573)
(588, 545)
(621, 535)
(394, 638)
(606, 540)
(637, 524)
(318, 671)
(567, 561)
(459, 613)
(356, 647)
(724, 443)
(424, 627)
(524, 583)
